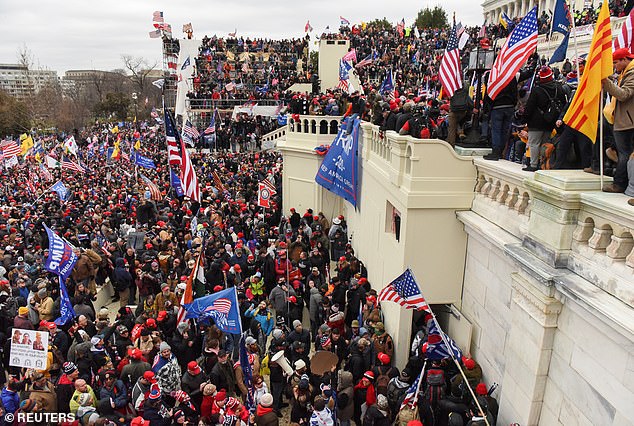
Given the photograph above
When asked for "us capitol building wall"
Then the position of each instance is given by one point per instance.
(538, 267)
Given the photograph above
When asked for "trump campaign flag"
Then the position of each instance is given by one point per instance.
(175, 182)
(142, 161)
(66, 311)
(222, 307)
(61, 258)
(338, 171)
(61, 190)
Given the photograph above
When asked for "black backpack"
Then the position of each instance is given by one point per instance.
(460, 101)
(416, 124)
(436, 385)
(553, 109)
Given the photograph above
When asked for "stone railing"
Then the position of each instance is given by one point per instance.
(603, 246)
(315, 125)
(269, 141)
(501, 196)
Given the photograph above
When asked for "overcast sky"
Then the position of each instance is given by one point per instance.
(89, 34)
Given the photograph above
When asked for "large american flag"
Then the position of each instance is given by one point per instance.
(155, 192)
(188, 174)
(627, 34)
(449, 72)
(173, 150)
(404, 291)
(68, 164)
(516, 50)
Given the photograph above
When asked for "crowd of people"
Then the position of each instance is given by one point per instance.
(300, 288)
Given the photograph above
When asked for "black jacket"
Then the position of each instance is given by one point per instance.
(538, 102)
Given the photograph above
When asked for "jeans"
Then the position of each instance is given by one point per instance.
(501, 127)
(582, 146)
(277, 389)
(624, 140)
(535, 140)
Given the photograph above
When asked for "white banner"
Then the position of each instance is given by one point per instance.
(29, 348)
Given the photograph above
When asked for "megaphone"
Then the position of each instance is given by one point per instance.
(281, 360)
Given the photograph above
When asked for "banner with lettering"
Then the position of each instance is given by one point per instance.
(61, 258)
(338, 171)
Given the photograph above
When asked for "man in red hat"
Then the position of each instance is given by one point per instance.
(622, 93)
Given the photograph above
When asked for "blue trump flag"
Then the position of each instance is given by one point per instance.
(436, 346)
(142, 161)
(388, 84)
(175, 181)
(338, 171)
(61, 190)
(561, 18)
(247, 373)
(61, 258)
(222, 307)
(66, 311)
(559, 55)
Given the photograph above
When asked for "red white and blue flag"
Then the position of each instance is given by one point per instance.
(449, 73)
(516, 50)
(627, 33)
(221, 306)
(404, 291)
(439, 345)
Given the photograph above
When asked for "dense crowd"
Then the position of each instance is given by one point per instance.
(300, 288)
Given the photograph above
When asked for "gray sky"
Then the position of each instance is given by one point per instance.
(89, 34)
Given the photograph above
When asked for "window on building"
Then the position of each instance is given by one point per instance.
(393, 221)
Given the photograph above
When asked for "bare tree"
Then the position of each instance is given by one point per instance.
(140, 69)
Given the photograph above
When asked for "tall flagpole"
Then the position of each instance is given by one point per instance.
(453, 357)
(601, 138)
(574, 29)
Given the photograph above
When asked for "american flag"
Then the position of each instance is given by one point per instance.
(411, 397)
(436, 346)
(404, 291)
(10, 148)
(188, 174)
(516, 50)
(212, 124)
(483, 31)
(219, 186)
(155, 192)
(157, 16)
(68, 164)
(191, 130)
(627, 34)
(173, 150)
(343, 20)
(221, 305)
(449, 73)
(46, 175)
(350, 56)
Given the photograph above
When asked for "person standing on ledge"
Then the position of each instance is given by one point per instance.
(622, 93)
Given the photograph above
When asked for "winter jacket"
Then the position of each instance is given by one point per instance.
(376, 417)
(345, 396)
(11, 400)
(314, 303)
(118, 394)
(538, 103)
(265, 416)
(263, 317)
(624, 94)
(65, 389)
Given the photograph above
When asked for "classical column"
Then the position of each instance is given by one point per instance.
(534, 313)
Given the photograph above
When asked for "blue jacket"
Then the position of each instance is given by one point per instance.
(264, 318)
(10, 400)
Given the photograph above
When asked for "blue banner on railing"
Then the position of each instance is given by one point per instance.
(338, 171)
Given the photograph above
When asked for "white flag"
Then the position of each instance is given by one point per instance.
(51, 163)
(71, 145)
(11, 161)
(464, 38)
(159, 83)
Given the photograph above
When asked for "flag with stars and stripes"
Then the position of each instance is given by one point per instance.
(191, 130)
(68, 164)
(404, 291)
(516, 50)
(411, 397)
(155, 192)
(627, 34)
(449, 73)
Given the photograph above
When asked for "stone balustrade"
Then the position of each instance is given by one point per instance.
(269, 141)
(501, 196)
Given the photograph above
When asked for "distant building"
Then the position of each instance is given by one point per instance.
(20, 82)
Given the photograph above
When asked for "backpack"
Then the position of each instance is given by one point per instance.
(460, 101)
(416, 125)
(553, 109)
(436, 385)
(380, 385)
(9, 309)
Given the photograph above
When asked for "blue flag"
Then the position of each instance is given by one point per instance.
(186, 63)
(561, 18)
(66, 311)
(247, 373)
(175, 181)
(388, 84)
(222, 307)
(262, 90)
(344, 69)
(436, 347)
(338, 171)
(282, 119)
(142, 161)
(61, 258)
(61, 190)
(559, 55)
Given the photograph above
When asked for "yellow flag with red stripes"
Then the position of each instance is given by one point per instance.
(583, 113)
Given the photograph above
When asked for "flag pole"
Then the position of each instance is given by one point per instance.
(422, 372)
(574, 29)
(453, 356)
(601, 138)
(550, 33)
